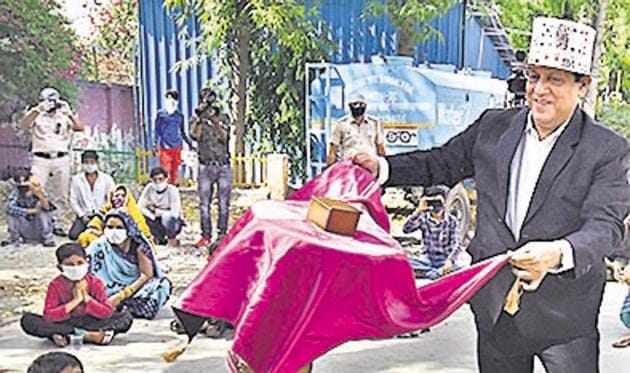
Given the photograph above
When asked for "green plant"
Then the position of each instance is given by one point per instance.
(616, 115)
(110, 57)
(37, 49)
(411, 17)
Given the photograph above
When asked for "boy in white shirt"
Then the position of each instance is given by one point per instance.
(160, 204)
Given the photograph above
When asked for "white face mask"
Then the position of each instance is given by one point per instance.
(170, 105)
(90, 168)
(115, 236)
(74, 273)
(160, 187)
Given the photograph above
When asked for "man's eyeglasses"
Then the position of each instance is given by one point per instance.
(554, 78)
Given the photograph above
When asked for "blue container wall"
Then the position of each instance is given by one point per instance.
(356, 36)
(490, 58)
(160, 50)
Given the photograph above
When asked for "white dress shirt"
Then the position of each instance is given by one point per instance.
(525, 170)
(85, 200)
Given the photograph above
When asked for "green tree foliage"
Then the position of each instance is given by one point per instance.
(411, 17)
(36, 50)
(616, 56)
(261, 47)
(110, 56)
(615, 115)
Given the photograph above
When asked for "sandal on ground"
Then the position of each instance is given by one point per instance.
(178, 328)
(219, 329)
(108, 336)
(623, 342)
(60, 340)
(102, 338)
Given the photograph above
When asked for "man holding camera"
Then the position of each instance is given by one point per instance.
(52, 123)
(212, 132)
(28, 212)
(440, 235)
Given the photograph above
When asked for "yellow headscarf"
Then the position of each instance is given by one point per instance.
(95, 226)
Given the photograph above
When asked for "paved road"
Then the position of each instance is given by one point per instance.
(448, 348)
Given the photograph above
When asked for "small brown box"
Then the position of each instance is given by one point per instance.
(333, 216)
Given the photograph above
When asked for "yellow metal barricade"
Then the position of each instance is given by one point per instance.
(143, 164)
(249, 171)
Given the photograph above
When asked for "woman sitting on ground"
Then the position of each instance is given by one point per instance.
(124, 260)
(76, 303)
(119, 198)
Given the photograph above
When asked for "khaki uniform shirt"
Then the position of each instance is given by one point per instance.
(354, 137)
(51, 133)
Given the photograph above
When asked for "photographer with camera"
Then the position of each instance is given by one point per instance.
(211, 130)
(440, 235)
(51, 124)
(28, 212)
(517, 81)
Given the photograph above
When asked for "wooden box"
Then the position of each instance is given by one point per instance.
(333, 216)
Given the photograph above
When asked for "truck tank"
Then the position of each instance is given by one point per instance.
(420, 107)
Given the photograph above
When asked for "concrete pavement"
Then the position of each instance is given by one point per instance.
(448, 348)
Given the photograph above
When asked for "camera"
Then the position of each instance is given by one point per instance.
(52, 106)
(517, 82)
(435, 205)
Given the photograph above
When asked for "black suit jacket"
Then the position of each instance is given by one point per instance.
(582, 195)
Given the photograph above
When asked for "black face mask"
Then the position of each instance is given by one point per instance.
(357, 111)
(23, 189)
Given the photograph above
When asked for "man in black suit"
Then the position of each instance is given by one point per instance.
(552, 188)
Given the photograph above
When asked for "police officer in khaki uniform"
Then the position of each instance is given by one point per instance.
(52, 123)
(356, 133)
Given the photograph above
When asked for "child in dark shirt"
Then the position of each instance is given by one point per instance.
(76, 303)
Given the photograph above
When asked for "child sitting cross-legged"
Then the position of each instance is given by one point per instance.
(76, 303)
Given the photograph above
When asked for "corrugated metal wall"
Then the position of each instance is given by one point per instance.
(356, 36)
(160, 49)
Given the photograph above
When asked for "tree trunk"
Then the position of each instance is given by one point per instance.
(406, 43)
(591, 95)
(240, 68)
(241, 65)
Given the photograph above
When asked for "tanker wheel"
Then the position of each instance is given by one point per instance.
(458, 204)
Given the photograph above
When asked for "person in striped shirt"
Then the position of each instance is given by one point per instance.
(440, 235)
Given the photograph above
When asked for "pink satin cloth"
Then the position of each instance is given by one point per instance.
(294, 291)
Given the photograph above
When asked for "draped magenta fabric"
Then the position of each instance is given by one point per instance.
(294, 291)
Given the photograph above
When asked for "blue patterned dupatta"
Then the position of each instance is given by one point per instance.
(118, 270)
